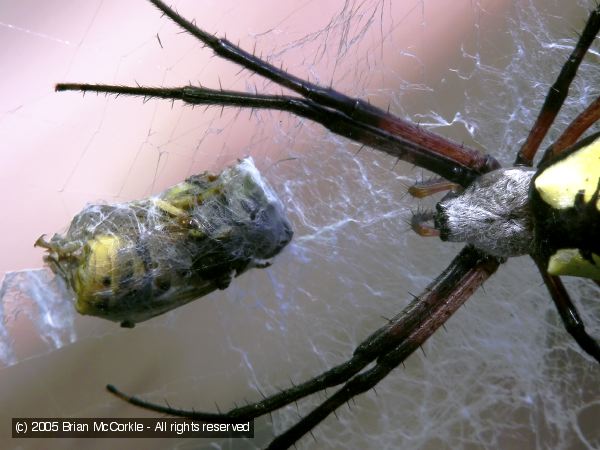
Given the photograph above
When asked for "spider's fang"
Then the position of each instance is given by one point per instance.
(419, 225)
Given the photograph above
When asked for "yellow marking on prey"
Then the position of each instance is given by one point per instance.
(102, 268)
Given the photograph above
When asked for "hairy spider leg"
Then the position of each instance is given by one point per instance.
(389, 346)
(558, 91)
(569, 314)
(334, 120)
(452, 160)
(573, 132)
(465, 274)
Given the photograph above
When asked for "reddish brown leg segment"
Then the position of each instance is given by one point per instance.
(354, 108)
(444, 299)
(574, 131)
(426, 188)
(407, 149)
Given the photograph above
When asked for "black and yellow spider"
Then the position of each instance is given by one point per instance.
(361, 122)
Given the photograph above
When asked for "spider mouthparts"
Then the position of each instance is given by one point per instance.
(419, 224)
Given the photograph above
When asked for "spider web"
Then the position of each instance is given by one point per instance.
(503, 374)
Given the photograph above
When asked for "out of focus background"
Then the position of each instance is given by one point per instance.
(503, 374)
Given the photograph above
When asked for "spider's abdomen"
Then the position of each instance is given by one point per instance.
(565, 205)
(492, 213)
